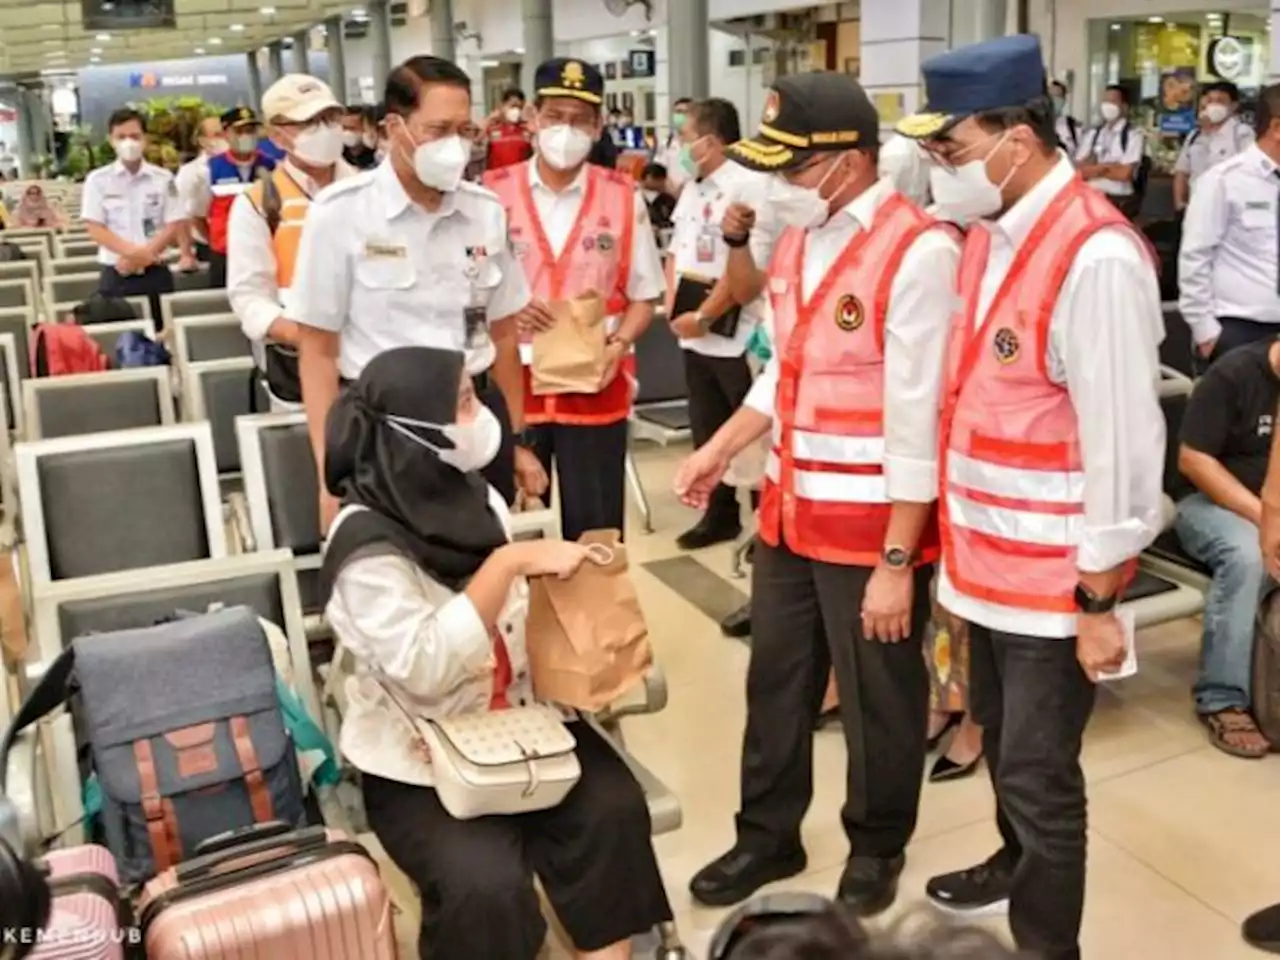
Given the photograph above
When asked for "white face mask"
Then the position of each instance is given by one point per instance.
(128, 150)
(246, 143)
(475, 444)
(1216, 112)
(350, 139)
(796, 206)
(1110, 111)
(966, 192)
(565, 147)
(441, 163)
(319, 146)
(216, 147)
(512, 114)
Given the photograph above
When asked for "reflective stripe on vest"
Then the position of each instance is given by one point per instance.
(595, 257)
(1012, 475)
(825, 491)
(226, 183)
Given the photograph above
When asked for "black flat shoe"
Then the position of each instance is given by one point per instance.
(738, 623)
(706, 534)
(869, 885)
(1262, 930)
(741, 872)
(944, 768)
(827, 718)
(953, 720)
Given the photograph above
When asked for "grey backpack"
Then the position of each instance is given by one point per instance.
(184, 731)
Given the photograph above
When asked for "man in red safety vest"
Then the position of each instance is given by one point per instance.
(231, 174)
(860, 284)
(1052, 461)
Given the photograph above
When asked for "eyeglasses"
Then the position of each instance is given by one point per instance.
(439, 129)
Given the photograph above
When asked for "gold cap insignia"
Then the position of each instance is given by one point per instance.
(772, 107)
(573, 75)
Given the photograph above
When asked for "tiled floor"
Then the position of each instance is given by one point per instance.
(1183, 843)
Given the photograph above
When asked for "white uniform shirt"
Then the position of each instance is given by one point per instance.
(1110, 144)
(669, 157)
(192, 182)
(431, 647)
(1227, 264)
(921, 301)
(1206, 148)
(1104, 340)
(698, 247)
(1069, 138)
(251, 259)
(381, 271)
(133, 206)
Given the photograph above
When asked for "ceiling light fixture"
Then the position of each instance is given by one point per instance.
(237, 28)
(199, 51)
(96, 50)
(1156, 19)
(95, 59)
(215, 41)
(1115, 26)
(268, 11)
(104, 37)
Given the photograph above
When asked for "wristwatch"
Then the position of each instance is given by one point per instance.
(897, 558)
(1089, 602)
(736, 242)
(702, 321)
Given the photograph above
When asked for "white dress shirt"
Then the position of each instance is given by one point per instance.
(1206, 148)
(1227, 264)
(1104, 340)
(1110, 144)
(905, 165)
(194, 196)
(698, 247)
(133, 206)
(425, 642)
(1070, 132)
(381, 271)
(251, 259)
(921, 302)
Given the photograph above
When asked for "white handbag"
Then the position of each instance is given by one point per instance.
(500, 762)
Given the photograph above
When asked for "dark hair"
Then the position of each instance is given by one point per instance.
(125, 115)
(1058, 85)
(1037, 114)
(1222, 86)
(1268, 109)
(510, 92)
(682, 102)
(405, 82)
(717, 117)
(655, 170)
(1122, 90)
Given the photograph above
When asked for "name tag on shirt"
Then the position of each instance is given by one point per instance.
(384, 251)
(706, 247)
(1257, 205)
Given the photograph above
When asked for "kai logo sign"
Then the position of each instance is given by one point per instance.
(150, 80)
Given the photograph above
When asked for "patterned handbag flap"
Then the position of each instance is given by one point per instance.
(503, 737)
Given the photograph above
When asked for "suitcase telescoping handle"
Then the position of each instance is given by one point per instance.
(243, 835)
(277, 844)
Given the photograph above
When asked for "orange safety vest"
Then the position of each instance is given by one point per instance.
(285, 219)
(1012, 490)
(824, 488)
(596, 257)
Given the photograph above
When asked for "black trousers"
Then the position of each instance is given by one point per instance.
(590, 463)
(806, 619)
(501, 473)
(217, 270)
(717, 387)
(1239, 332)
(592, 854)
(151, 283)
(1033, 702)
(202, 251)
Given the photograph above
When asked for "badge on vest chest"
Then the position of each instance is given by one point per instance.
(605, 242)
(1007, 345)
(849, 313)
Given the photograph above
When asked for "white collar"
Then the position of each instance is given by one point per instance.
(862, 209)
(535, 179)
(1017, 221)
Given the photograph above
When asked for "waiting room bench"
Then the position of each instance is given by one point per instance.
(96, 402)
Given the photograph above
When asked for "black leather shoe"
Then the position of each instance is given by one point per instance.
(738, 623)
(869, 885)
(1262, 930)
(944, 769)
(741, 872)
(706, 533)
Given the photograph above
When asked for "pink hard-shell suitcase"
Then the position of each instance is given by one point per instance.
(84, 922)
(271, 892)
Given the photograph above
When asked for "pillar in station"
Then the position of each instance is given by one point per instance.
(301, 45)
(25, 147)
(1273, 62)
(688, 49)
(898, 36)
(380, 34)
(255, 79)
(973, 21)
(539, 39)
(441, 14)
(337, 59)
(275, 59)
(41, 126)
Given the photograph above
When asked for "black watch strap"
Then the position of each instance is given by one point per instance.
(736, 242)
(1089, 602)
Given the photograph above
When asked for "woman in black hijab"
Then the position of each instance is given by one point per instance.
(430, 597)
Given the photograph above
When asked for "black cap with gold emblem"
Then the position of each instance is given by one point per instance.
(805, 114)
(239, 117)
(567, 77)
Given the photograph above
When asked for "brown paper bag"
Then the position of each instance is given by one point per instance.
(570, 357)
(587, 639)
(13, 631)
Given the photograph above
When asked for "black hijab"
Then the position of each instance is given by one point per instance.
(416, 504)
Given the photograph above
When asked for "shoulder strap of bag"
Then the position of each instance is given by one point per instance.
(51, 692)
(272, 203)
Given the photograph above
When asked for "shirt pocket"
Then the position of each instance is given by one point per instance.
(386, 274)
(115, 211)
(1260, 217)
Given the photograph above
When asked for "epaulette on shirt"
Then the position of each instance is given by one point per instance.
(478, 190)
(344, 186)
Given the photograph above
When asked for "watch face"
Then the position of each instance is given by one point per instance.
(897, 557)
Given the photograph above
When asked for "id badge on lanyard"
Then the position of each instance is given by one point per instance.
(476, 314)
(705, 246)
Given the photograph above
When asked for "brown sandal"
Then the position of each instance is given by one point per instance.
(1227, 730)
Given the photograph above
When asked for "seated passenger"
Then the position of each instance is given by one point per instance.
(36, 210)
(430, 597)
(1226, 437)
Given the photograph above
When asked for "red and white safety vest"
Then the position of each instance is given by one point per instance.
(824, 486)
(1012, 497)
(596, 257)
